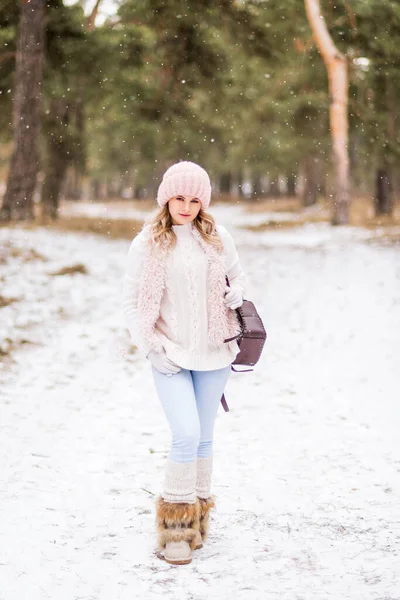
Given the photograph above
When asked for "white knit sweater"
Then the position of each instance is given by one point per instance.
(182, 323)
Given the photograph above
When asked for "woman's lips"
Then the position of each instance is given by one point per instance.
(184, 215)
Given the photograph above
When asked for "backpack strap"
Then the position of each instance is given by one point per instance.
(233, 338)
(224, 403)
(223, 399)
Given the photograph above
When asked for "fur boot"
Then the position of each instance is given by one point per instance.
(206, 504)
(177, 523)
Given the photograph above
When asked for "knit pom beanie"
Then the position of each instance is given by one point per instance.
(186, 178)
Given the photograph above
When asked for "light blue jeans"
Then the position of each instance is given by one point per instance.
(190, 400)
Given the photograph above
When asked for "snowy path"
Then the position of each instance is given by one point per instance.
(307, 462)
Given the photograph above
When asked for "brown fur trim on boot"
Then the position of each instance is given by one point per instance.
(176, 522)
(206, 504)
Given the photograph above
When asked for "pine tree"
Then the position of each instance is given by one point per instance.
(27, 98)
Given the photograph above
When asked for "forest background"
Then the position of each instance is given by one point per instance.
(239, 87)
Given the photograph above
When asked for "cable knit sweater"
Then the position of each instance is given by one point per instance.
(182, 323)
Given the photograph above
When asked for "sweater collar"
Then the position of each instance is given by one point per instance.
(184, 230)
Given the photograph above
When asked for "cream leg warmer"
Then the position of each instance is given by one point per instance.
(180, 482)
(204, 472)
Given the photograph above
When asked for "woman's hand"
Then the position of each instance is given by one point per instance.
(162, 363)
(233, 297)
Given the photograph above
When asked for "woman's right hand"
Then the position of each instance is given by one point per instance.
(162, 363)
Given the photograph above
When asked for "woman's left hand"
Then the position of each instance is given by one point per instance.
(233, 298)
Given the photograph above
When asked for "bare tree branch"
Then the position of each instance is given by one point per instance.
(92, 17)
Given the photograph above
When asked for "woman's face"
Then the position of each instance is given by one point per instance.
(183, 209)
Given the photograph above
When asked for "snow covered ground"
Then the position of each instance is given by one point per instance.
(307, 462)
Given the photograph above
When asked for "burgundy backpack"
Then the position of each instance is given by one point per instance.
(250, 340)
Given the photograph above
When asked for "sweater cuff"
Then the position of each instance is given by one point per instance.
(142, 347)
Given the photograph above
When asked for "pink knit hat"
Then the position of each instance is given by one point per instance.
(186, 178)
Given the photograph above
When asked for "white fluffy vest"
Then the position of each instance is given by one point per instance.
(223, 322)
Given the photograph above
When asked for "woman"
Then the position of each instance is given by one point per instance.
(179, 311)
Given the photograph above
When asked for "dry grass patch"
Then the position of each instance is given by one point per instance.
(8, 347)
(361, 214)
(287, 223)
(8, 250)
(385, 238)
(6, 301)
(146, 204)
(284, 204)
(71, 270)
(111, 228)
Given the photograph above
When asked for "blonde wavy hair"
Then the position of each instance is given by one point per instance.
(164, 237)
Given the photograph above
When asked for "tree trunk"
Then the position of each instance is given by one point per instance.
(24, 164)
(95, 189)
(58, 155)
(80, 148)
(336, 66)
(138, 193)
(76, 187)
(310, 188)
(239, 179)
(383, 196)
(291, 184)
(153, 179)
(257, 186)
(225, 183)
(383, 200)
(273, 188)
